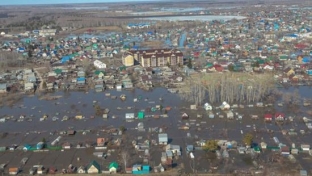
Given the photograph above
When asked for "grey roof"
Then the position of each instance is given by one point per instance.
(3, 86)
(163, 135)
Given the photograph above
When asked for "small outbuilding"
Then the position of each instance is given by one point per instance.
(163, 138)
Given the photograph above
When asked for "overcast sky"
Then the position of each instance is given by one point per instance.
(22, 2)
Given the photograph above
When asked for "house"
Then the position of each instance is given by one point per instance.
(230, 115)
(279, 117)
(241, 150)
(268, 117)
(138, 169)
(303, 173)
(28, 86)
(289, 71)
(99, 64)
(225, 106)
(81, 170)
(100, 142)
(309, 72)
(305, 147)
(175, 149)
(190, 148)
(93, 168)
(184, 116)
(163, 138)
(40, 170)
(169, 154)
(285, 150)
(99, 87)
(66, 145)
(99, 74)
(113, 167)
(13, 170)
(26, 147)
(81, 80)
(207, 107)
(3, 88)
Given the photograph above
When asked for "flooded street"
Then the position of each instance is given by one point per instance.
(72, 104)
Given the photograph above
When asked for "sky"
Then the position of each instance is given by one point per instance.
(25, 2)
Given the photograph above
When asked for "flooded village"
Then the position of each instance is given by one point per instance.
(206, 96)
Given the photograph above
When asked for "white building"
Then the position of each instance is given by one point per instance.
(99, 64)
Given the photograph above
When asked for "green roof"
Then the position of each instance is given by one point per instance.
(256, 148)
(283, 57)
(97, 72)
(95, 164)
(141, 115)
(113, 165)
(208, 65)
(58, 71)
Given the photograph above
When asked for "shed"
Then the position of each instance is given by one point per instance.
(129, 116)
(113, 167)
(303, 173)
(141, 115)
(163, 138)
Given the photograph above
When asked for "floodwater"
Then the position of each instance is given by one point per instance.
(81, 103)
(194, 18)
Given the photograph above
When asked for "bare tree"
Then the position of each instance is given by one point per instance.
(125, 158)
(229, 87)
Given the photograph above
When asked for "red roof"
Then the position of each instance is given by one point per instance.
(279, 115)
(268, 116)
(300, 46)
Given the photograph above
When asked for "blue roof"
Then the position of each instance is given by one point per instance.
(81, 79)
(292, 35)
(65, 59)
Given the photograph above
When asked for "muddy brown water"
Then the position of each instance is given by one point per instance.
(81, 103)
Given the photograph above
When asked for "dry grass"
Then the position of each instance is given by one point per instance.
(152, 44)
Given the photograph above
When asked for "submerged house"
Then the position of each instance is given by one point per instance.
(93, 168)
(185, 116)
(225, 106)
(138, 169)
(163, 138)
(207, 107)
(268, 117)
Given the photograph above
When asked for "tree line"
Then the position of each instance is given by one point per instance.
(229, 87)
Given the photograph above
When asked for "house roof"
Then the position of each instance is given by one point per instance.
(97, 72)
(3, 86)
(95, 164)
(113, 165)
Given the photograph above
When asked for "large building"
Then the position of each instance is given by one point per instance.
(127, 59)
(157, 57)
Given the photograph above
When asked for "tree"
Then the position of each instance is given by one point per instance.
(211, 145)
(189, 63)
(168, 64)
(247, 139)
(122, 128)
(29, 53)
(231, 67)
(44, 140)
(125, 158)
(44, 85)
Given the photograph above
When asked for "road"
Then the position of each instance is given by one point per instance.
(39, 76)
